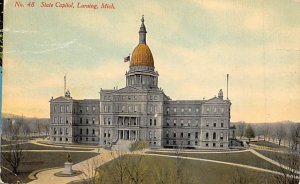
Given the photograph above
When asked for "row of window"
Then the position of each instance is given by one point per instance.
(190, 110)
(60, 120)
(179, 143)
(86, 131)
(212, 109)
(67, 139)
(67, 108)
(182, 134)
(214, 137)
(182, 122)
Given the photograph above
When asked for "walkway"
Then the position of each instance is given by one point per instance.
(87, 166)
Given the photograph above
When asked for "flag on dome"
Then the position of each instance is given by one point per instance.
(127, 58)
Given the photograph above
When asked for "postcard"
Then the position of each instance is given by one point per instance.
(150, 91)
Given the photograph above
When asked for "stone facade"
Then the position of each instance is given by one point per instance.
(142, 111)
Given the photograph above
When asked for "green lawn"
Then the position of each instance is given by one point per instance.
(267, 144)
(40, 160)
(246, 158)
(30, 146)
(190, 171)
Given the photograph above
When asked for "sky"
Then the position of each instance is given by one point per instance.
(195, 43)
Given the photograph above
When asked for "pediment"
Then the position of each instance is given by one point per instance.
(129, 89)
(215, 100)
(62, 99)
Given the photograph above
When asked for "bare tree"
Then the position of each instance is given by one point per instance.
(240, 128)
(90, 173)
(120, 174)
(137, 169)
(13, 155)
(280, 133)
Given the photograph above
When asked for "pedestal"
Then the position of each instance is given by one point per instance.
(68, 168)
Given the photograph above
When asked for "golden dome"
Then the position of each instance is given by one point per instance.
(142, 56)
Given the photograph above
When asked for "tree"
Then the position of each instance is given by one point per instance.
(13, 155)
(249, 132)
(137, 169)
(266, 132)
(241, 128)
(120, 175)
(280, 133)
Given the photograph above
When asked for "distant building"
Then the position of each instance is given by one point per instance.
(142, 111)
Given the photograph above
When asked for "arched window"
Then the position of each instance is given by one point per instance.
(207, 135)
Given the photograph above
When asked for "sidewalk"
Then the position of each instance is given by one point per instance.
(87, 166)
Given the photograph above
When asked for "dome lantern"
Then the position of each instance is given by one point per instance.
(142, 55)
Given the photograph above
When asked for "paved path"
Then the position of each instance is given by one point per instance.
(272, 161)
(198, 151)
(87, 166)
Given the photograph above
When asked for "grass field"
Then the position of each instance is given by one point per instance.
(30, 146)
(246, 158)
(158, 168)
(267, 144)
(40, 160)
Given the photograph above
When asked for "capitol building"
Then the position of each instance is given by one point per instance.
(142, 112)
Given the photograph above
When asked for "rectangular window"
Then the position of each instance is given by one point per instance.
(189, 135)
(196, 135)
(174, 109)
(87, 108)
(94, 108)
(87, 121)
(215, 124)
(181, 135)
(136, 108)
(196, 143)
(68, 110)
